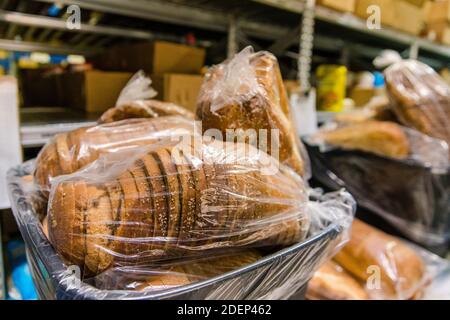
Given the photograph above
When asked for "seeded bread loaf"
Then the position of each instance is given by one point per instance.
(160, 209)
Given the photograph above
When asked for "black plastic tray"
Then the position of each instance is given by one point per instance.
(254, 281)
(413, 198)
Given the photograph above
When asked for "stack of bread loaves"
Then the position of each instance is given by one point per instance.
(144, 186)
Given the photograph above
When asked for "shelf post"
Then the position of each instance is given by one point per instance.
(306, 45)
(232, 47)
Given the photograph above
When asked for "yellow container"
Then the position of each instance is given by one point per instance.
(332, 83)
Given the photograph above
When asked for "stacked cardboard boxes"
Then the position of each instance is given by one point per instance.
(404, 15)
(174, 68)
(340, 5)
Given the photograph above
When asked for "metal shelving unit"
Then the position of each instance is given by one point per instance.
(266, 24)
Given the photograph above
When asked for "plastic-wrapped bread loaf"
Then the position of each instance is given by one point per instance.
(420, 97)
(169, 202)
(71, 151)
(332, 282)
(247, 93)
(379, 137)
(144, 109)
(390, 268)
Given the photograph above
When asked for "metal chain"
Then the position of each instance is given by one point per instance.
(306, 45)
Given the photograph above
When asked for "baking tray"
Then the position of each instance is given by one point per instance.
(413, 198)
(286, 271)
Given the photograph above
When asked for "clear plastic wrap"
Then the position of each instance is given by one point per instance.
(411, 193)
(163, 201)
(135, 101)
(374, 265)
(420, 98)
(71, 151)
(137, 88)
(269, 273)
(144, 109)
(386, 139)
(244, 99)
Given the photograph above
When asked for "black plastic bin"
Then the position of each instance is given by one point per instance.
(286, 271)
(413, 198)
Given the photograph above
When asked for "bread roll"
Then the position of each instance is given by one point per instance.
(144, 109)
(247, 93)
(71, 151)
(139, 215)
(401, 270)
(332, 282)
(382, 138)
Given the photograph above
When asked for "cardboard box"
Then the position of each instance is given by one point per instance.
(409, 18)
(341, 5)
(417, 3)
(388, 16)
(181, 89)
(399, 14)
(436, 11)
(93, 91)
(156, 57)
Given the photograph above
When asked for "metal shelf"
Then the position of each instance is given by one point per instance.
(40, 124)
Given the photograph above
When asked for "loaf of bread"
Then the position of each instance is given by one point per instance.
(246, 96)
(71, 151)
(382, 138)
(420, 98)
(332, 282)
(389, 269)
(171, 202)
(144, 109)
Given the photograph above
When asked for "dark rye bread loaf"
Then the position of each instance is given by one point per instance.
(71, 151)
(162, 209)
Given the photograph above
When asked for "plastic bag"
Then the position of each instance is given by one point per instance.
(164, 201)
(279, 274)
(137, 88)
(409, 194)
(71, 151)
(374, 265)
(386, 139)
(144, 109)
(420, 98)
(244, 99)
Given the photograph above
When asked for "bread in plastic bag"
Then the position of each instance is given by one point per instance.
(247, 93)
(281, 273)
(144, 109)
(161, 202)
(71, 151)
(375, 265)
(382, 138)
(386, 139)
(332, 282)
(420, 98)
